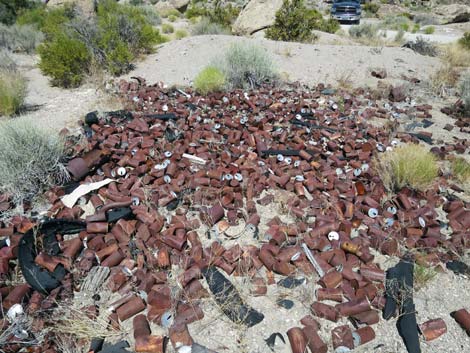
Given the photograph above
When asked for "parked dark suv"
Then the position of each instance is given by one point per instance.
(346, 11)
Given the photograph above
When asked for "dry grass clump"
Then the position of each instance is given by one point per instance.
(74, 328)
(445, 78)
(13, 89)
(30, 161)
(460, 169)
(464, 90)
(456, 55)
(422, 46)
(410, 165)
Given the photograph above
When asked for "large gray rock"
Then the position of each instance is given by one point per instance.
(180, 5)
(454, 13)
(256, 15)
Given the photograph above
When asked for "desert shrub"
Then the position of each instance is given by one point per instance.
(396, 23)
(429, 30)
(167, 28)
(407, 166)
(65, 60)
(219, 12)
(425, 19)
(445, 78)
(151, 15)
(365, 30)
(170, 12)
(12, 91)
(464, 42)
(54, 19)
(20, 38)
(330, 25)
(34, 16)
(294, 22)
(399, 36)
(136, 2)
(6, 61)
(180, 34)
(245, 65)
(112, 39)
(172, 18)
(460, 169)
(422, 46)
(10, 9)
(36, 153)
(456, 55)
(371, 8)
(211, 79)
(416, 28)
(464, 89)
(206, 27)
(407, 15)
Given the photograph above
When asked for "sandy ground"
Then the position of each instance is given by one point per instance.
(53, 107)
(178, 62)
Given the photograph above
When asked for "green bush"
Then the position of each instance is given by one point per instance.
(245, 65)
(170, 12)
(206, 27)
(429, 30)
(20, 38)
(180, 34)
(65, 60)
(12, 92)
(330, 25)
(211, 79)
(35, 16)
(167, 28)
(464, 89)
(36, 153)
(172, 18)
(112, 39)
(10, 9)
(220, 13)
(371, 8)
(294, 22)
(464, 42)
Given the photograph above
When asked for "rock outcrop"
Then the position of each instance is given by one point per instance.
(256, 15)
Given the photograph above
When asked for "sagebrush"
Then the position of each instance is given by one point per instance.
(20, 38)
(364, 30)
(37, 155)
(245, 65)
(410, 165)
(206, 27)
(10, 9)
(211, 79)
(6, 61)
(13, 88)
